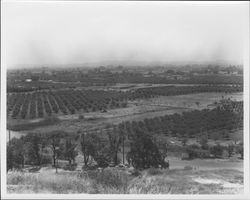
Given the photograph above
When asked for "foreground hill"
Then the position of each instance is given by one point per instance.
(122, 181)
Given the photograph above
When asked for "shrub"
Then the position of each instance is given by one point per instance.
(195, 151)
(217, 151)
(240, 150)
(109, 178)
(135, 172)
(154, 171)
(102, 160)
(71, 167)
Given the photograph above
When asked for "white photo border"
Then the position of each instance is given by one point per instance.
(5, 195)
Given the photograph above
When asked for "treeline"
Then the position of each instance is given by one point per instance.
(189, 79)
(15, 89)
(107, 77)
(69, 79)
(99, 148)
(139, 142)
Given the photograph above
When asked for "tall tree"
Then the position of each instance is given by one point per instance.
(114, 139)
(69, 151)
(54, 140)
(87, 145)
(144, 153)
(34, 143)
(122, 133)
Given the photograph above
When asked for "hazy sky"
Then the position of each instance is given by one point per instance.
(83, 32)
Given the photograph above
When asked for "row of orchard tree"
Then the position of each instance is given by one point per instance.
(46, 103)
(40, 104)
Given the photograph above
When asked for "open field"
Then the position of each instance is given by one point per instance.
(206, 164)
(119, 181)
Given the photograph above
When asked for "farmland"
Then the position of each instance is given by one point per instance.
(41, 104)
(135, 128)
(218, 131)
(137, 109)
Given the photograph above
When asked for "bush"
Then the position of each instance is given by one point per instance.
(154, 171)
(195, 151)
(71, 167)
(217, 151)
(240, 150)
(102, 160)
(135, 172)
(34, 169)
(109, 178)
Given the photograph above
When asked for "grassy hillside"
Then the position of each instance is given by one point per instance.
(118, 181)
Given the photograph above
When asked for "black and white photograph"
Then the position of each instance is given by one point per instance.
(124, 99)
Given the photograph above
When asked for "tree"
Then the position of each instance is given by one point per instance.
(33, 143)
(230, 150)
(69, 151)
(87, 146)
(101, 153)
(217, 150)
(54, 141)
(114, 139)
(197, 103)
(184, 139)
(9, 157)
(240, 150)
(204, 142)
(192, 151)
(144, 153)
(18, 152)
(123, 135)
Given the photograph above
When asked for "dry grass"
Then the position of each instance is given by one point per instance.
(47, 183)
(183, 182)
(114, 181)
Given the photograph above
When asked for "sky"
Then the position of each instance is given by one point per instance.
(49, 33)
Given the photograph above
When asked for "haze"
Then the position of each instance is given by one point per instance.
(41, 33)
